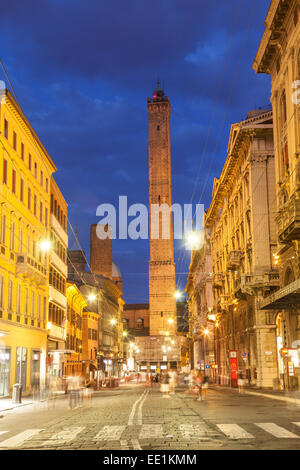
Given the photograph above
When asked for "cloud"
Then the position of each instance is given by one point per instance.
(83, 72)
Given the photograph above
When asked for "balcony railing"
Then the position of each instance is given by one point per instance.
(28, 268)
(222, 302)
(218, 280)
(270, 279)
(233, 260)
(288, 219)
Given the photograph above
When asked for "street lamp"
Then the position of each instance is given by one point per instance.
(92, 297)
(177, 294)
(45, 245)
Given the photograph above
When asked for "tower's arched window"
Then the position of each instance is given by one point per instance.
(140, 323)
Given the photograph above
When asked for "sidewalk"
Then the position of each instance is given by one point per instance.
(7, 405)
(283, 395)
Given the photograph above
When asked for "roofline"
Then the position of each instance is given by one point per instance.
(241, 127)
(22, 115)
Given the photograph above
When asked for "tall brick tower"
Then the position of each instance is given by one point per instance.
(162, 304)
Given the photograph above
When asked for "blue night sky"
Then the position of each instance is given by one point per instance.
(82, 72)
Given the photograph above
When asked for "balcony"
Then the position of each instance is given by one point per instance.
(245, 283)
(288, 219)
(222, 302)
(57, 297)
(58, 263)
(57, 332)
(233, 260)
(30, 269)
(58, 229)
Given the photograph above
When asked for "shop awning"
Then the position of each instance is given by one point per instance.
(287, 297)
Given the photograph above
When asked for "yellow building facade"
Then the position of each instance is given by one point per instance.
(76, 302)
(25, 173)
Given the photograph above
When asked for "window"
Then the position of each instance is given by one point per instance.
(46, 184)
(15, 141)
(22, 151)
(10, 295)
(44, 309)
(19, 299)
(46, 217)
(3, 229)
(4, 171)
(32, 305)
(29, 161)
(41, 212)
(39, 307)
(22, 190)
(35, 170)
(26, 302)
(42, 178)
(20, 240)
(6, 129)
(34, 205)
(12, 236)
(29, 199)
(1, 290)
(14, 177)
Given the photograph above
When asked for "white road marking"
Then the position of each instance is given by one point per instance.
(110, 433)
(234, 431)
(3, 432)
(276, 430)
(297, 424)
(189, 431)
(140, 413)
(131, 416)
(18, 439)
(136, 444)
(151, 431)
(64, 436)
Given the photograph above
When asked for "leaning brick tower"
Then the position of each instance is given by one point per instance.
(162, 304)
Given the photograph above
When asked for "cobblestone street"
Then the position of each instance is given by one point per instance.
(140, 418)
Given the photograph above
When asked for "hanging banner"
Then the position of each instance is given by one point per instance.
(233, 368)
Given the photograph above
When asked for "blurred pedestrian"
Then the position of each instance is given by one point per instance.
(173, 379)
(198, 385)
(204, 386)
(164, 387)
(241, 381)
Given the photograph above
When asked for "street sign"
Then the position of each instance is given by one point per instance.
(244, 354)
(207, 366)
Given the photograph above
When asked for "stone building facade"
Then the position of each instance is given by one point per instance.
(279, 56)
(241, 220)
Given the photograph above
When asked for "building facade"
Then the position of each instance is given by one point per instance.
(279, 56)
(73, 354)
(200, 306)
(58, 272)
(26, 170)
(103, 356)
(241, 220)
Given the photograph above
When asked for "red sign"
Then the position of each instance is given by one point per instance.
(233, 368)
